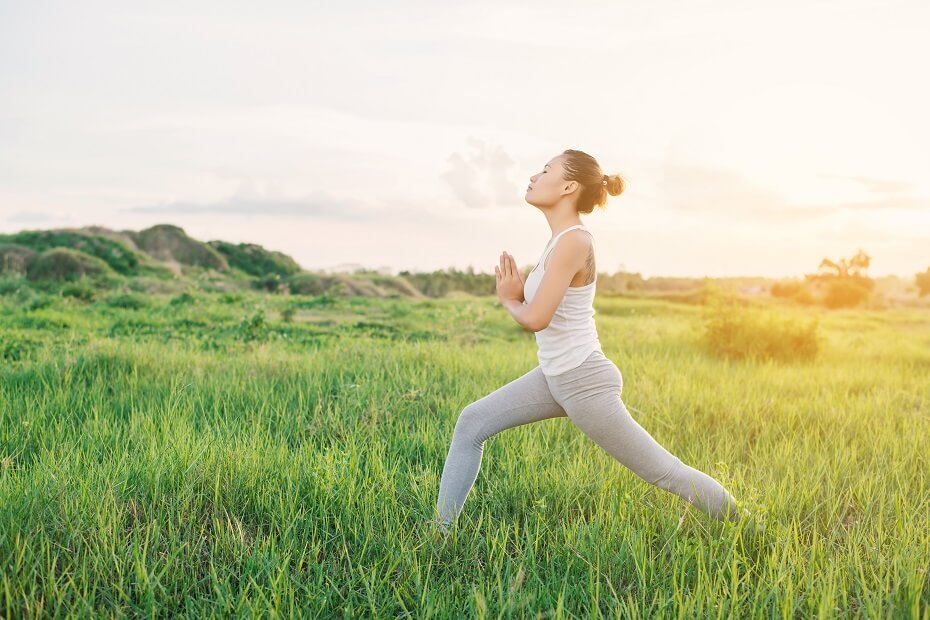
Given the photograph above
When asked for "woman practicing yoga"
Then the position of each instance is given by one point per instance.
(574, 378)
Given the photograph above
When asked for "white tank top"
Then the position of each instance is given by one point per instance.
(571, 335)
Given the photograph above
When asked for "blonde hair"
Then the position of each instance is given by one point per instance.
(595, 185)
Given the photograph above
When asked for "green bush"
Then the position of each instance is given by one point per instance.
(320, 301)
(231, 298)
(170, 243)
(126, 300)
(271, 282)
(16, 347)
(255, 260)
(82, 290)
(115, 254)
(66, 264)
(182, 299)
(10, 284)
(735, 332)
(16, 258)
(306, 283)
(38, 302)
(253, 327)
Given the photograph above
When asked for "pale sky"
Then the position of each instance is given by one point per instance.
(756, 140)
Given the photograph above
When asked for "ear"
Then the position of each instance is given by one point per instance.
(570, 187)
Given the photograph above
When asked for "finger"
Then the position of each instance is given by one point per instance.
(507, 269)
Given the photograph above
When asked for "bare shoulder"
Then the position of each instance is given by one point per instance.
(581, 238)
(575, 246)
(576, 242)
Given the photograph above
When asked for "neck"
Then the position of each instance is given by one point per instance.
(561, 219)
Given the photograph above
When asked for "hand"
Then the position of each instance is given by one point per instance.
(509, 279)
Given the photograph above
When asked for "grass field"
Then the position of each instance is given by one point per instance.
(238, 454)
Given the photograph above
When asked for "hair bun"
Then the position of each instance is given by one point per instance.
(615, 184)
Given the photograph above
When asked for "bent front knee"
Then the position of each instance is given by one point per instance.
(470, 422)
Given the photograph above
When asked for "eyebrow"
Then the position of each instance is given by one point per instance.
(546, 166)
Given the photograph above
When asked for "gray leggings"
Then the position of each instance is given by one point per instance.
(590, 396)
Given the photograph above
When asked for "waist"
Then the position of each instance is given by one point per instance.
(563, 337)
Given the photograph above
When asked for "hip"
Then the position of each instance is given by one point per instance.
(596, 373)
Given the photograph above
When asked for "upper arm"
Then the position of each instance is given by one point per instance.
(567, 258)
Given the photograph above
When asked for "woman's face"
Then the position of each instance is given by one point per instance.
(546, 186)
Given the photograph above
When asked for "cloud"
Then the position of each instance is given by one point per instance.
(700, 189)
(883, 186)
(26, 217)
(239, 204)
(481, 178)
(903, 202)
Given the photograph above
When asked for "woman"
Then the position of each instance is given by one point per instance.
(574, 378)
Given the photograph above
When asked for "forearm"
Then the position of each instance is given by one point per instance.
(519, 311)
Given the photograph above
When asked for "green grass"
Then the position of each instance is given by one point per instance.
(208, 458)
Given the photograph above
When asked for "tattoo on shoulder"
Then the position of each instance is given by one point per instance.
(590, 269)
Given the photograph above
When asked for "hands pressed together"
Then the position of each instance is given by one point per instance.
(509, 279)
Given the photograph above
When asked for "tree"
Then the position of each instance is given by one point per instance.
(846, 282)
(923, 282)
(854, 267)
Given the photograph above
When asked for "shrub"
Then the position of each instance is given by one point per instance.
(306, 283)
(786, 289)
(255, 260)
(115, 254)
(28, 299)
(845, 293)
(922, 280)
(252, 327)
(79, 290)
(182, 299)
(17, 347)
(793, 291)
(66, 264)
(38, 302)
(271, 282)
(10, 284)
(167, 242)
(231, 298)
(324, 300)
(16, 258)
(132, 302)
(750, 333)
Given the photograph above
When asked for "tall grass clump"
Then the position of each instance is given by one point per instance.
(735, 331)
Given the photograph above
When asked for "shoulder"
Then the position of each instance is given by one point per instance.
(577, 240)
(572, 248)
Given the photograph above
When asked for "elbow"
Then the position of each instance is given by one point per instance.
(537, 325)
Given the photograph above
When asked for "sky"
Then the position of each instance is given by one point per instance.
(755, 139)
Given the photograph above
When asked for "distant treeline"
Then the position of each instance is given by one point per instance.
(163, 258)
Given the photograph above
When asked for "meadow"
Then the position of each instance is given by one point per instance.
(217, 454)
